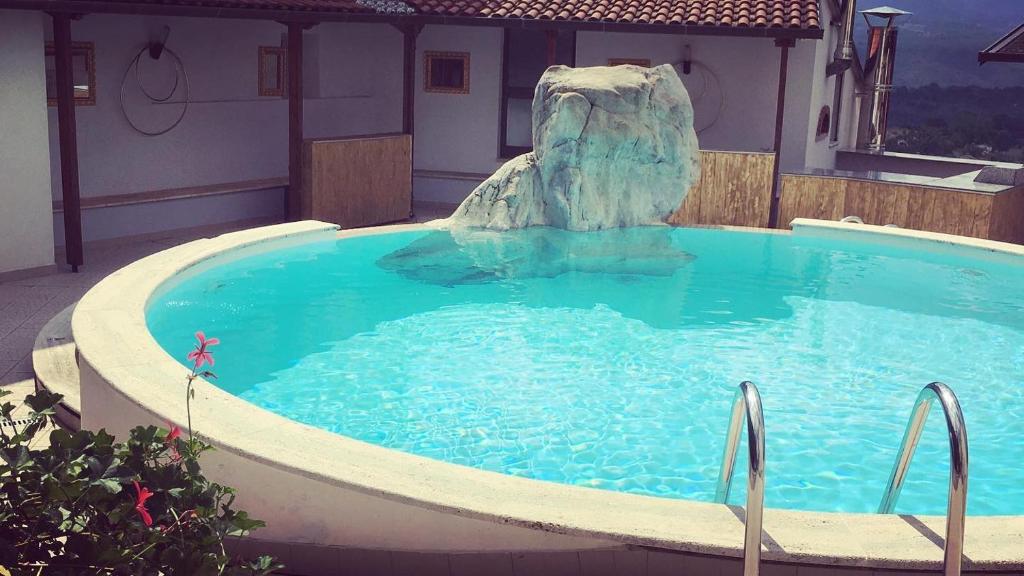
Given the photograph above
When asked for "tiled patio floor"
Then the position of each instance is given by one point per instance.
(27, 304)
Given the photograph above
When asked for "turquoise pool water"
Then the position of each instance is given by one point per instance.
(609, 359)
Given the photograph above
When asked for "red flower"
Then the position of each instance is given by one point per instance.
(141, 495)
(200, 355)
(174, 434)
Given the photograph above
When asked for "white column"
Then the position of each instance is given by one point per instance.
(26, 208)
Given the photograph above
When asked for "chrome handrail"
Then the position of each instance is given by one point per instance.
(746, 402)
(957, 504)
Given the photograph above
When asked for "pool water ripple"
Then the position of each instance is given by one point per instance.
(609, 359)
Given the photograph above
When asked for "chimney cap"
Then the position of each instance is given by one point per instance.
(885, 12)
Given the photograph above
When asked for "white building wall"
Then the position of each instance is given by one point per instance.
(459, 132)
(821, 153)
(746, 70)
(229, 133)
(353, 84)
(797, 121)
(747, 73)
(26, 235)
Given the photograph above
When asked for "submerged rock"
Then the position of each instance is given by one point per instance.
(473, 256)
(612, 147)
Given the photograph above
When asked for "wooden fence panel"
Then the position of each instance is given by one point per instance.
(358, 181)
(825, 197)
(995, 216)
(734, 189)
(1007, 223)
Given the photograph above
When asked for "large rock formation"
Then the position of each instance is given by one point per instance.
(611, 147)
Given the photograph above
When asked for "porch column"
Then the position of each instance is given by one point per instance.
(784, 44)
(409, 34)
(68, 139)
(293, 200)
(552, 39)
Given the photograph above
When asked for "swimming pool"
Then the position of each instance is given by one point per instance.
(609, 359)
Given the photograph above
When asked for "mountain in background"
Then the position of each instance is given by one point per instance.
(940, 43)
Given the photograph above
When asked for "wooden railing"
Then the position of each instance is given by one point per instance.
(995, 216)
(735, 188)
(358, 180)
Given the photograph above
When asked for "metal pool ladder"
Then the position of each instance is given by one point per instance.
(747, 402)
(957, 504)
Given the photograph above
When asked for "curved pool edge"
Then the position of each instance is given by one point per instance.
(321, 488)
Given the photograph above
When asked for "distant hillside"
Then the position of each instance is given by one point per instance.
(940, 43)
(963, 121)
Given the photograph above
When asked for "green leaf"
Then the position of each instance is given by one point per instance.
(43, 401)
(110, 485)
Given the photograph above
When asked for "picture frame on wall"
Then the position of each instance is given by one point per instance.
(446, 72)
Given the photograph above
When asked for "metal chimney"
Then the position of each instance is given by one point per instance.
(845, 50)
(880, 63)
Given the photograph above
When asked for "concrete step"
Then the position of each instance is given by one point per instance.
(55, 363)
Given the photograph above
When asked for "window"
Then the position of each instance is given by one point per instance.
(824, 123)
(525, 58)
(644, 62)
(83, 73)
(446, 72)
(273, 72)
(837, 108)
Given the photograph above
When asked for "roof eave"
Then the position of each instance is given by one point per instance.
(984, 57)
(314, 16)
(994, 52)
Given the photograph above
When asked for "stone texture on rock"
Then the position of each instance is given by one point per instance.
(612, 147)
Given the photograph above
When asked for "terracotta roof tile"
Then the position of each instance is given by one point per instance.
(720, 13)
(730, 13)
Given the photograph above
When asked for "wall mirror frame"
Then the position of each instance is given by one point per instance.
(83, 63)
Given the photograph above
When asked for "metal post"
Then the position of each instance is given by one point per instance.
(552, 46)
(293, 200)
(780, 111)
(409, 34)
(68, 140)
(880, 64)
(956, 510)
(747, 402)
(878, 121)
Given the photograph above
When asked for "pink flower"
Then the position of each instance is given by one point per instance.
(141, 495)
(200, 355)
(174, 434)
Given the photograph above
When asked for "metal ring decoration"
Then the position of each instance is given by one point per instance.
(179, 68)
(709, 77)
(142, 87)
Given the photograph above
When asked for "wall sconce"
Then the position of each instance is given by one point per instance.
(687, 59)
(156, 46)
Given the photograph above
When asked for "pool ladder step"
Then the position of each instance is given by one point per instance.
(956, 507)
(746, 406)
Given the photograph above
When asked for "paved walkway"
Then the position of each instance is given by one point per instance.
(26, 305)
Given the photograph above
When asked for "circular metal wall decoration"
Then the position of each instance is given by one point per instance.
(180, 81)
(706, 93)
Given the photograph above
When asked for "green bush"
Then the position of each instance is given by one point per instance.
(85, 504)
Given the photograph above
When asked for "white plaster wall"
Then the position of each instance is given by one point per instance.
(360, 72)
(796, 124)
(821, 88)
(229, 133)
(747, 70)
(459, 132)
(352, 77)
(26, 235)
(131, 220)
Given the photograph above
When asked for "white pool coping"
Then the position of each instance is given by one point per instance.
(122, 365)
